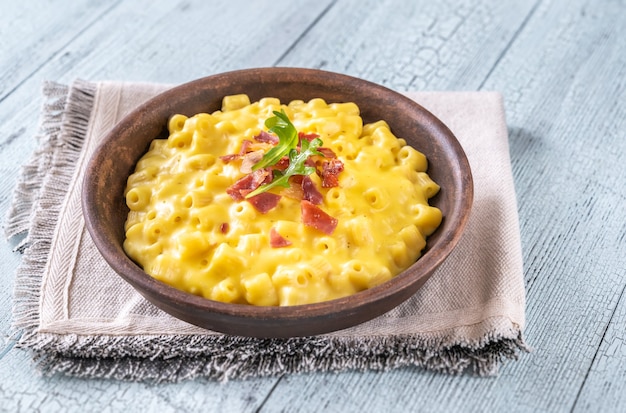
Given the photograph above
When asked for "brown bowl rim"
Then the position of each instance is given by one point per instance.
(243, 316)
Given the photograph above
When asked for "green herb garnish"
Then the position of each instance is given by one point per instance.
(296, 165)
(281, 126)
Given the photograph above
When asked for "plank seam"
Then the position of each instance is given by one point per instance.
(305, 32)
(509, 44)
(269, 393)
(8, 347)
(58, 51)
(595, 355)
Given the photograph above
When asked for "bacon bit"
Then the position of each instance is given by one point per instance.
(277, 240)
(308, 136)
(330, 181)
(264, 202)
(296, 179)
(316, 160)
(311, 193)
(247, 184)
(295, 188)
(266, 138)
(310, 161)
(249, 160)
(229, 158)
(330, 171)
(224, 227)
(245, 144)
(234, 193)
(314, 217)
(282, 164)
(327, 152)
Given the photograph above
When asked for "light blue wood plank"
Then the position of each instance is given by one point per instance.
(32, 32)
(605, 387)
(412, 45)
(165, 42)
(565, 84)
(21, 391)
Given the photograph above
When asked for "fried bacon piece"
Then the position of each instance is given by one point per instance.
(277, 240)
(266, 138)
(327, 152)
(245, 144)
(249, 160)
(330, 173)
(248, 183)
(310, 192)
(282, 164)
(264, 202)
(314, 217)
(307, 136)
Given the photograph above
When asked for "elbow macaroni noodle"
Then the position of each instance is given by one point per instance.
(185, 230)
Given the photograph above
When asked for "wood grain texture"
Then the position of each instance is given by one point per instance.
(561, 67)
(605, 388)
(32, 32)
(414, 45)
(22, 391)
(567, 139)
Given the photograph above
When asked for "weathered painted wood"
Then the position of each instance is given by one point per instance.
(32, 32)
(412, 45)
(605, 386)
(21, 391)
(565, 79)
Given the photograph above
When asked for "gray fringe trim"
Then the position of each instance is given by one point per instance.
(32, 174)
(34, 212)
(43, 183)
(224, 358)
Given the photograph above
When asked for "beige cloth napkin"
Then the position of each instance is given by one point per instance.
(76, 316)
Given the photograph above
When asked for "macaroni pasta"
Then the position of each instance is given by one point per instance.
(185, 229)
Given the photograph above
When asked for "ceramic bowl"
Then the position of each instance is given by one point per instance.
(105, 209)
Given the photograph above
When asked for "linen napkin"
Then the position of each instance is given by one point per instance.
(77, 317)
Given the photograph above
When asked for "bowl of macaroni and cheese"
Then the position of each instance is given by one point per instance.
(277, 202)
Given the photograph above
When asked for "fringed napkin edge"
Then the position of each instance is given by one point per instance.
(36, 205)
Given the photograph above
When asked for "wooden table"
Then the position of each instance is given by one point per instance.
(561, 66)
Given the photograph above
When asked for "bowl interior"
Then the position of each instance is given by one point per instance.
(105, 210)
